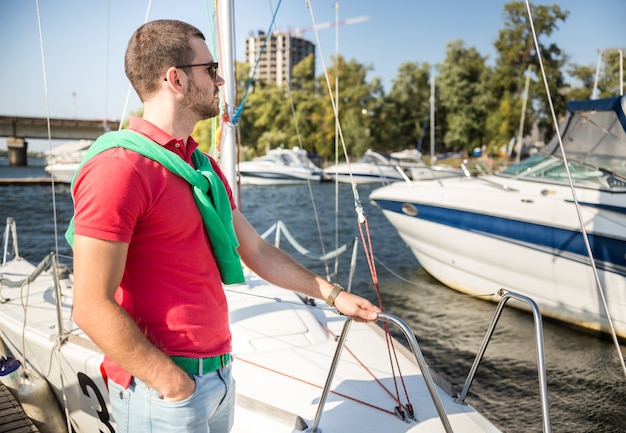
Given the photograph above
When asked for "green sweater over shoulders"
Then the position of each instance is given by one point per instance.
(208, 190)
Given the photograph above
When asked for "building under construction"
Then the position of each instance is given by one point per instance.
(281, 53)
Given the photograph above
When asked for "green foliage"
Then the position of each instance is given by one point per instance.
(605, 76)
(462, 96)
(517, 55)
(406, 108)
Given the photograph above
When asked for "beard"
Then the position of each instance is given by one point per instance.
(197, 100)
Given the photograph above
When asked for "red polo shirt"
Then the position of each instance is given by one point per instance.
(171, 285)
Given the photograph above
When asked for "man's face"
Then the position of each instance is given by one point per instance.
(202, 95)
(202, 100)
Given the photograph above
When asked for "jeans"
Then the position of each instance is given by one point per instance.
(210, 409)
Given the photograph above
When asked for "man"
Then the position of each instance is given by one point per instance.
(147, 273)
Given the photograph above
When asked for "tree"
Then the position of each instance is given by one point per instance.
(406, 107)
(463, 96)
(606, 74)
(516, 54)
(267, 111)
(585, 75)
(356, 97)
(308, 110)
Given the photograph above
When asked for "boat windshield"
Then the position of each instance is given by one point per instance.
(550, 168)
(594, 141)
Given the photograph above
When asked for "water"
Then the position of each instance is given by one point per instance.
(586, 387)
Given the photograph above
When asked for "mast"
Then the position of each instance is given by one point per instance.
(432, 120)
(226, 29)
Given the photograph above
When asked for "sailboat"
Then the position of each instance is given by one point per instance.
(300, 366)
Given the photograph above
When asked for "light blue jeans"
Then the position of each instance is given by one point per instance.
(210, 409)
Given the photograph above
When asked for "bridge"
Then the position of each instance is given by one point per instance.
(19, 129)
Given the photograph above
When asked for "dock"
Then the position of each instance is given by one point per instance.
(27, 181)
(13, 419)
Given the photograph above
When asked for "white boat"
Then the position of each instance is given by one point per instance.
(373, 167)
(283, 348)
(280, 167)
(410, 160)
(63, 160)
(519, 229)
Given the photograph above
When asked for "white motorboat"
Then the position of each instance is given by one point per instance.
(410, 160)
(63, 160)
(373, 167)
(280, 167)
(519, 229)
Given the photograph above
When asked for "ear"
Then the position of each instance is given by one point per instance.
(175, 79)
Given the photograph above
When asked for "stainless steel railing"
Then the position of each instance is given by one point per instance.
(430, 384)
(541, 367)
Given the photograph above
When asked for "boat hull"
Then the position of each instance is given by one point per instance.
(523, 238)
(362, 174)
(372, 168)
(73, 368)
(261, 176)
(280, 167)
(62, 172)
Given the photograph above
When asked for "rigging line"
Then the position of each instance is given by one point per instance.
(308, 182)
(106, 65)
(396, 398)
(452, 292)
(302, 304)
(223, 118)
(127, 100)
(313, 385)
(58, 344)
(338, 133)
(355, 192)
(47, 104)
(358, 207)
(574, 196)
(337, 136)
(57, 348)
(391, 349)
(215, 34)
(239, 109)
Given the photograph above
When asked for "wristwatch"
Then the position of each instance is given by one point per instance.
(330, 301)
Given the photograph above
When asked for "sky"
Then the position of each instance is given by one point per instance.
(74, 68)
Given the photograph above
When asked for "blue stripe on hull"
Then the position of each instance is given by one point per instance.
(610, 253)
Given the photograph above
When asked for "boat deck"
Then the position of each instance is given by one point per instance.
(12, 417)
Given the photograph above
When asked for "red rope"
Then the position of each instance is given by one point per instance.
(393, 356)
(356, 358)
(315, 385)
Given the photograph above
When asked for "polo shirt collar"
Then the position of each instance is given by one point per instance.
(156, 134)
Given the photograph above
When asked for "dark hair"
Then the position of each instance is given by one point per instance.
(154, 47)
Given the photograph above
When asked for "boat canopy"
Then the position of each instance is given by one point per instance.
(594, 133)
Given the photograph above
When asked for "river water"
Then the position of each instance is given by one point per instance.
(586, 386)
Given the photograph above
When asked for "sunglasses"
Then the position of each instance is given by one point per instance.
(211, 68)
